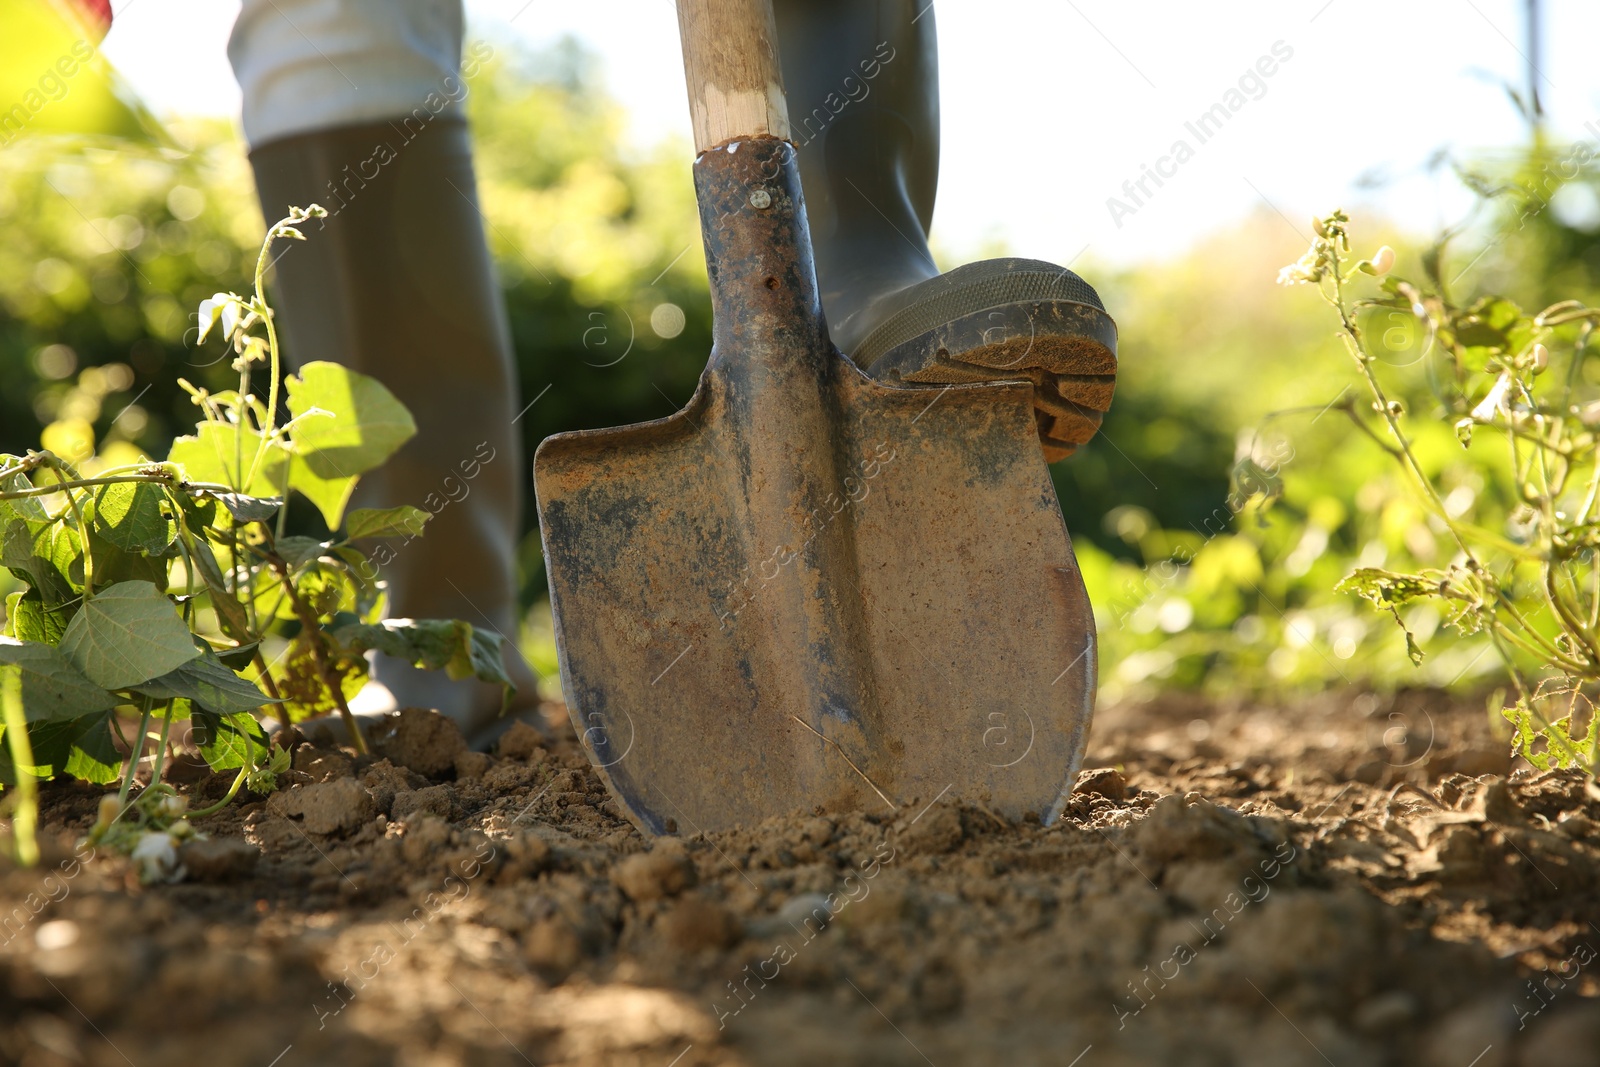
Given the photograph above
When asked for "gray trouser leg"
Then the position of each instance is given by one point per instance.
(397, 283)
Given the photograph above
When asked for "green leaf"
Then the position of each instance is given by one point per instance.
(1387, 588)
(1473, 333)
(49, 558)
(52, 688)
(301, 683)
(237, 659)
(330, 495)
(248, 508)
(231, 615)
(81, 747)
(298, 550)
(365, 424)
(27, 508)
(129, 515)
(93, 756)
(364, 576)
(206, 681)
(113, 564)
(456, 647)
(403, 521)
(328, 589)
(228, 742)
(212, 455)
(1561, 750)
(129, 633)
(199, 512)
(32, 621)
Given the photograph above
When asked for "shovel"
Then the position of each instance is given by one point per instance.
(808, 590)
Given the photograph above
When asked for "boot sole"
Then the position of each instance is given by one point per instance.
(1006, 320)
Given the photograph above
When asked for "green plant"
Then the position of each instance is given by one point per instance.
(1515, 390)
(264, 619)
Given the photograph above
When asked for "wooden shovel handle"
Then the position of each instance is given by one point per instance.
(731, 64)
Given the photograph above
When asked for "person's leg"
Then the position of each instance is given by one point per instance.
(863, 88)
(397, 283)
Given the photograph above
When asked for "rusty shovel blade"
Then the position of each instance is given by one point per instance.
(807, 589)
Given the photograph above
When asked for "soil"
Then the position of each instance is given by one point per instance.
(1353, 880)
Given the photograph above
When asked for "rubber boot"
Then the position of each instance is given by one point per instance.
(397, 283)
(863, 89)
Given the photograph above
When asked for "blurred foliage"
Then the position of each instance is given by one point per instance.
(1212, 520)
(53, 79)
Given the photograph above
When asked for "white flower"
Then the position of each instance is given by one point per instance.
(1495, 400)
(1383, 260)
(156, 856)
(221, 305)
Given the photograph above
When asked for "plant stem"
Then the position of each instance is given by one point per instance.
(161, 745)
(233, 791)
(135, 753)
(83, 483)
(1352, 336)
(272, 690)
(83, 534)
(312, 631)
(272, 350)
(25, 819)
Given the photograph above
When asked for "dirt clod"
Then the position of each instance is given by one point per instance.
(695, 922)
(520, 741)
(664, 871)
(218, 859)
(1107, 782)
(472, 764)
(338, 806)
(432, 800)
(553, 948)
(421, 740)
(935, 831)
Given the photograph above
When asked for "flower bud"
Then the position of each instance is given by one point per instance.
(1541, 358)
(110, 808)
(1383, 260)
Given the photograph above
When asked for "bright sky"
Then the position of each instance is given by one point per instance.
(1049, 106)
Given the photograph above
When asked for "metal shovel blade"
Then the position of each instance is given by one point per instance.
(809, 590)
